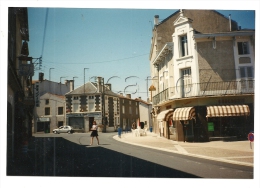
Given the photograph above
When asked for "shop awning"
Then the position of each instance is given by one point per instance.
(164, 114)
(186, 113)
(228, 110)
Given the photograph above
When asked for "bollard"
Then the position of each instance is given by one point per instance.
(119, 132)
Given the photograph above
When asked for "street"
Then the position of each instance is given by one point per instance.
(71, 155)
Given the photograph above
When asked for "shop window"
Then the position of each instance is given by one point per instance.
(60, 123)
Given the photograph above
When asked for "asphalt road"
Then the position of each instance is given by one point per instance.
(71, 155)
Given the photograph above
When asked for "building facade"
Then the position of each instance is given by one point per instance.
(49, 110)
(145, 109)
(203, 69)
(20, 101)
(94, 101)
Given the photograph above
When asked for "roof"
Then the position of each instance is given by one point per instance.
(140, 100)
(55, 95)
(90, 88)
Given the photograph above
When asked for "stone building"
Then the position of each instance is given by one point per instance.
(95, 101)
(202, 65)
(20, 101)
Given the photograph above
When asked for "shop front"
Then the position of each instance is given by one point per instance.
(184, 120)
(228, 122)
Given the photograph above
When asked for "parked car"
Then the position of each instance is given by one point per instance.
(63, 129)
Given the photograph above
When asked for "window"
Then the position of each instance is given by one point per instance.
(183, 46)
(91, 106)
(246, 72)
(242, 48)
(47, 111)
(130, 110)
(60, 110)
(75, 98)
(246, 75)
(91, 97)
(123, 109)
(136, 110)
(186, 73)
(47, 101)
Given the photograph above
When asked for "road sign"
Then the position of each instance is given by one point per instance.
(251, 137)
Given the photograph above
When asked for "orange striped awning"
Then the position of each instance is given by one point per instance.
(228, 110)
(186, 113)
(164, 115)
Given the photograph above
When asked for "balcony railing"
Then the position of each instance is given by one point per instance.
(244, 86)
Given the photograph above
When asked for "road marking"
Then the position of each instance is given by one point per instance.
(180, 149)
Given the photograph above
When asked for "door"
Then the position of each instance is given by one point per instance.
(91, 119)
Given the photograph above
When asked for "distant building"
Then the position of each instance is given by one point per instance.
(145, 109)
(202, 65)
(50, 104)
(95, 101)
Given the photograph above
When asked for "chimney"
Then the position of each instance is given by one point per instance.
(41, 75)
(156, 19)
(128, 96)
(108, 86)
(71, 84)
(99, 84)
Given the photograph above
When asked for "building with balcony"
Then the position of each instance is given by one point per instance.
(203, 69)
(96, 101)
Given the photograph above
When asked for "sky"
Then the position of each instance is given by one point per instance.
(113, 43)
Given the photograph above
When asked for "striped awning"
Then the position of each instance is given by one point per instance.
(186, 113)
(162, 116)
(228, 110)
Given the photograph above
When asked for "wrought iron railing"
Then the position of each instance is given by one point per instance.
(244, 86)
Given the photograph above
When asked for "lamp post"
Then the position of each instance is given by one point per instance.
(84, 79)
(61, 78)
(50, 74)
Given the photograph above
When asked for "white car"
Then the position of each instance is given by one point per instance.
(63, 129)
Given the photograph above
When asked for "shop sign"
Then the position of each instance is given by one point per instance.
(231, 101)
(43, 119)
(210, 126)
(36, 94)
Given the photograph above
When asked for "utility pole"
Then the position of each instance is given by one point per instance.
(103, 106)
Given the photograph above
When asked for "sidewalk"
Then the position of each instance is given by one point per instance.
(236, 152)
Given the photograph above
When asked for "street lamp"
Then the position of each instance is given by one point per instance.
(84, 79)
(61, 78)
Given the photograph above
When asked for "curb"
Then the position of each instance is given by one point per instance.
(184, 152)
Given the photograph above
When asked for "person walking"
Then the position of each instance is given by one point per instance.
(94, 133)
